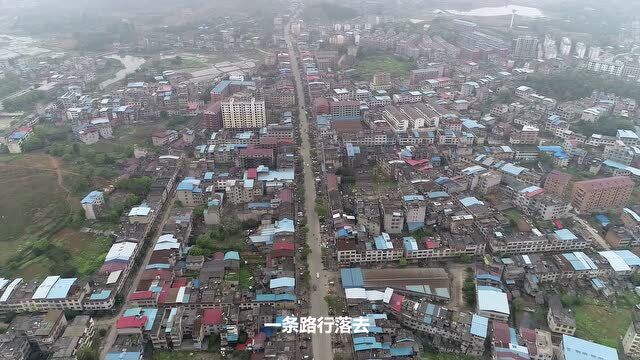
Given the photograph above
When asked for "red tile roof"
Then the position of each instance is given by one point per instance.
(128, 322)
(501, 335)
(430, 244)
(140, 295)
(252, 173)
(284, 246)
(113, 265)
(162, 297)
(212, 316)
(252, 151)
(152, 274)
(412, 162)
(179, 282)
(396, 302)
(286, 195)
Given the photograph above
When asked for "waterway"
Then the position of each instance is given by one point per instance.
(131, 64)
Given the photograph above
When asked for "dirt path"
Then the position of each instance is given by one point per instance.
(458, 273)
(55, 164)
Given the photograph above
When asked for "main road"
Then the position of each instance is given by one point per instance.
(322, 349)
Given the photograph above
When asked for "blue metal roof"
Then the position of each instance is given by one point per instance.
(410, 243)
(129, 355)
(471, 200)
(479, 325)
(408, 198)
(488, 276)
(282, 282)
(512, 169)
(102, 295)
(437, 194)
(578, 349)
(91, 197)
(258, 205)
(557, 151)
(61, 288)
(157, 266)
(221, 86)
(617, 165)
(351, 277)
(150, 313)
(232, 255)
(629, 258)
(352, 150)
(565, 235)
(603, 219)
(275, 297)
(383, 242)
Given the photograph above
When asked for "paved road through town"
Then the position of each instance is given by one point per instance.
(322, 349)
(112, 333)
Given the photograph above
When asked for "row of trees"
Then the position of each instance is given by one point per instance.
(605, 126)
(25, 102)
(572, 85)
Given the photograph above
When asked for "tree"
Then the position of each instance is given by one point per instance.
(39, 247)
(139, 186)
(205, 242)
(199, 251)
(88, 353)
(469, 290)
(402, 262)
(231, 226)
(504, 96)
(249, 224)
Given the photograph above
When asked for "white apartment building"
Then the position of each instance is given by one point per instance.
(243, 114)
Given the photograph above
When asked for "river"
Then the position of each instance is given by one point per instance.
(131, 64)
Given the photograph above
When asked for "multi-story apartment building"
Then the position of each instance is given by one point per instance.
(415, 208)
(242, 112)
(526, 47)
(560, 240)
(631, 340)
(609, 68)
(556, 183)
(92, 204)
(527, 135)
(242, 191)
(345, 109)
(559, 319)
(446, 247)
(393, 217)
(619, 152)
(53, 292)
(189, 192)
(601, 194)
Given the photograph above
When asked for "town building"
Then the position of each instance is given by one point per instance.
(92, 204)
(243, 113)
(560, 319)
(601, 194)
